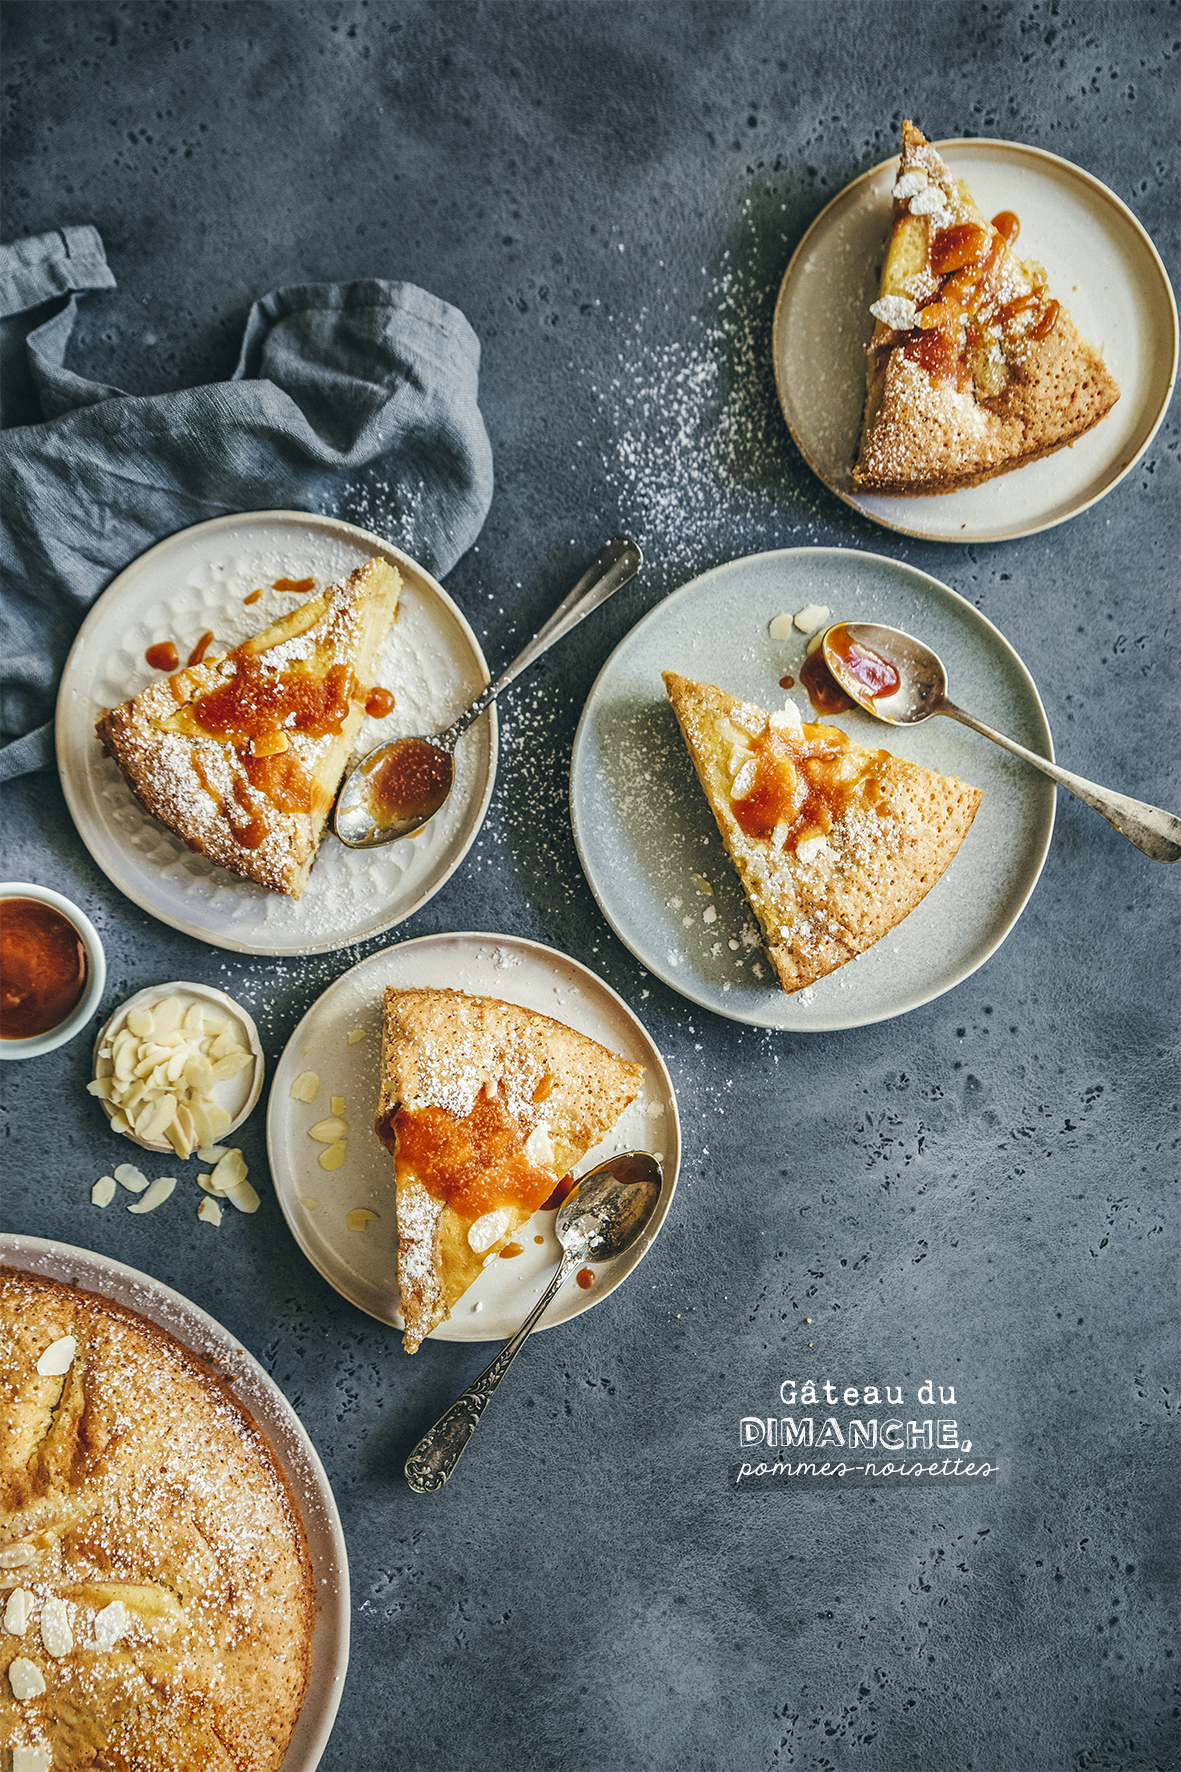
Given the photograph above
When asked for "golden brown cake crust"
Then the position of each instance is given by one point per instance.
(201, 788)
(880, 860)
(442, 1048)
(138, 1478)
(1020, 397)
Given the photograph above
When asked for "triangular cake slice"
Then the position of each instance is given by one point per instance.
(834, 844)
(241, 756)
(974, 367)
(486, 1107)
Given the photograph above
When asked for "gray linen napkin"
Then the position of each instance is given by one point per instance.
(335, 383)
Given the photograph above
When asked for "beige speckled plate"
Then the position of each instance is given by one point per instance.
(282, 1427)
(197, 580)
(1102, 266)
(362, 1265)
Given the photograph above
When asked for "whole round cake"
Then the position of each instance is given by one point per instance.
(154, 1573)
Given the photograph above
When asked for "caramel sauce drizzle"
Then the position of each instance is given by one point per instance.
(475, 1162)
(967, 259)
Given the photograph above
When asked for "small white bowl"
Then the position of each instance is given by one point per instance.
(96, 973)
(237, 1095)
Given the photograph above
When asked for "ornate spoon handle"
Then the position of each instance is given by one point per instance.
(610, 569)
(1150, 828)
(441, 1447)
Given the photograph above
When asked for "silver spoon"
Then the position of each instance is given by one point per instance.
(393, 791)
(603, 1216)
(922, 691)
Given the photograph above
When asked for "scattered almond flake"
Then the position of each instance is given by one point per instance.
(27, 1681)
(15, 1556)
(156, 1195)
(333, 1157)
(811, 616)
(104, 1190)
(206, 1184)
(779, 627)
(359, 1217)
(305, 1086)
(58, 1357)
(56, 1634)
(328, 1131)
(744, 781)
(111, 1623)
(120, 1123)
(231, 1064)
(703, 886)
(209, 1212)
(357, 1034)
(709, 914)
(896, 311)
(133, 1179)
(910, 184)
(932, 201)
(307, 1201)
(490, 1228)
(788, 719)
(539, 1149)
(212, 1153)
(338, 1104)
(167, 1014)
(156, 1117)
(18, 1611)
(243, 1195)
(230, 1169)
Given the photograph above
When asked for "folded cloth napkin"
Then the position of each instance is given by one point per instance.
(336, 384)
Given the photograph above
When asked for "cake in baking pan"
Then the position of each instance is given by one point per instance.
(154, 1572)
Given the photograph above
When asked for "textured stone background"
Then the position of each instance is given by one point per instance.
(977, 1193)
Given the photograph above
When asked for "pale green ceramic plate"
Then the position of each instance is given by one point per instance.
(646, 837)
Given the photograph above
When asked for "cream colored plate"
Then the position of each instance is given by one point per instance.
(362, 1265)
(282, 1427)
(237, 1095)
(195, 581)
(1102, 266)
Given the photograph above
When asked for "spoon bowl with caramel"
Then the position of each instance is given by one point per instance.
(898, 679)
(607, 1210)
(397, 788)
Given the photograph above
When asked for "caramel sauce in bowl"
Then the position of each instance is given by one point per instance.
(52, 970)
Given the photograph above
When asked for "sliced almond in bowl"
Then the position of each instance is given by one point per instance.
(178, 1067)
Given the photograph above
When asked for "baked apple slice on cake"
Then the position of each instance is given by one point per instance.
(974, 367)
(241, 756)
(486, 1107)
(834, 844)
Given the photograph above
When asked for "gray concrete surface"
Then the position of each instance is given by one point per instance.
(977, 1194)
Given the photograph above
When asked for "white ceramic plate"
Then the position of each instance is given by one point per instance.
(362, 1265)
(644, 829)
(282, 1427)
(1101, 265)
(195, 581)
